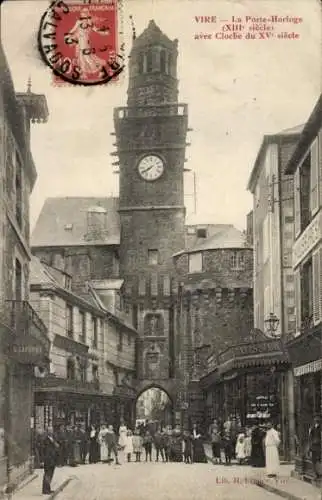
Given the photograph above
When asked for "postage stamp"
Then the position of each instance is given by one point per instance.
(79, 41)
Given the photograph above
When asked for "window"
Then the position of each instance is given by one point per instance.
(116, 376)
(67, 282)
(68, 227)
(94, 373)
(307, 292)
(163, 61)
(18, 280)
(95, 333)
(237, 260)
(201, 233)
(149, 61)
(129, 340)
(81, 369)
(19, 193)
(82, 320)
(153, 257)
(305, 181)
(69, 321)
(70, 369)
(195, 262)
(120, 344)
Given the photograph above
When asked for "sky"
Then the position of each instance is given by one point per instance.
(236, 90)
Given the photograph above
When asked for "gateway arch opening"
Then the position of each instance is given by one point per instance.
(155, 407)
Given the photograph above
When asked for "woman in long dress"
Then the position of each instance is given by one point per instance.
(122, 435)
(103, 443)
(240, 448)
(94, 447)
(272, 441)
(199, 455)
(257, 453)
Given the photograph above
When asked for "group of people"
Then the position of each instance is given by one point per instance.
(76, 445)
(257, 446)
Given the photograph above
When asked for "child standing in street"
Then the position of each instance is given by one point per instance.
(128, 447)
(137, 442)
(147, 443)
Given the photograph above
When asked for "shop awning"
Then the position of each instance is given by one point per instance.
(255, 354)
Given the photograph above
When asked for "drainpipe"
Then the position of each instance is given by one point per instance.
(289, 376)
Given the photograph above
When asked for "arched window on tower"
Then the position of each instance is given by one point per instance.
(169, 65)
(141, 63)
(149, 60)
(163, 65)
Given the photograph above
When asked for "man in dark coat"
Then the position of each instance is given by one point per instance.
(50, 456)
(315, 445)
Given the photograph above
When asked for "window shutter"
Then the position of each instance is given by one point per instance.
(297, 283)
(314, 196)
(316, 286)
(297, 203)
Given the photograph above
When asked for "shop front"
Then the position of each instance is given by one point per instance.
(59, 401)
(247, 384)
(305, 353)
(26, 346)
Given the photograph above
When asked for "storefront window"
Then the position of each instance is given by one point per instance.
(262, 397)
(310, 387)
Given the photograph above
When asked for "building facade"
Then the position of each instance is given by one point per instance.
(273, 230)
(24, 342)
(305, 346)
(214, 310)
(92, 355)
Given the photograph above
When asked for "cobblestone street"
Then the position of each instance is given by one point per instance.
(163, 482)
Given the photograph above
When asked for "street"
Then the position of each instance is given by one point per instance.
(164, 481)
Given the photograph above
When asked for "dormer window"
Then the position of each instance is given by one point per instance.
(201, 233)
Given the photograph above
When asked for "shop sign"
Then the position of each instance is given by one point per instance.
(242, 350)
(27, 351)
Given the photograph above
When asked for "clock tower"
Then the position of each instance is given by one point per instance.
(151, 141)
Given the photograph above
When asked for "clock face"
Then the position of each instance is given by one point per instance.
(151, 167)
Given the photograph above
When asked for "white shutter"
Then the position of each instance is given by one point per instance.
(316, 286)
(314, 175)
(297, 289)
(297, 203)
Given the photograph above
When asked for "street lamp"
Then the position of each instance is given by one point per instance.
(271, 325)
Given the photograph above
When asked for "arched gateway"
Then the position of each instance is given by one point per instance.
(151, 142)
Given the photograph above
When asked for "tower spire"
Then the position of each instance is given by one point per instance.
(133, 28)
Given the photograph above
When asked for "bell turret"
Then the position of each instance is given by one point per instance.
(153, 68)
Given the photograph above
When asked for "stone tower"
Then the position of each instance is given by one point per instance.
(151, 141)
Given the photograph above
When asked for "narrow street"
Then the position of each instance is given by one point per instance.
(164, 481)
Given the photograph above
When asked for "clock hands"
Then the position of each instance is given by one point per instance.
(146, 169)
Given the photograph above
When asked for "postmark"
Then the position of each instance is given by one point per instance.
(79, 41)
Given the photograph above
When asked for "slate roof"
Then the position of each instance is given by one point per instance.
(223, 236)
(152, 35)
(229, 237)
(63, 222)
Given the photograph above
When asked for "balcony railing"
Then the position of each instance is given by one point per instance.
(52, 382)
(24, 321)
(175, 109)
